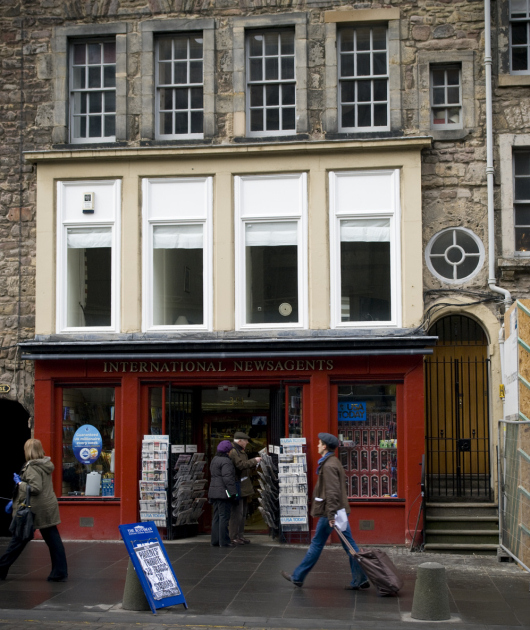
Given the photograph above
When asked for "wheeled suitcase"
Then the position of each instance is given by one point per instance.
(378, 567)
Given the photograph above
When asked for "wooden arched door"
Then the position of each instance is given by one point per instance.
(457, 412)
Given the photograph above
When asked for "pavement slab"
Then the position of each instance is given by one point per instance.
(242, 588)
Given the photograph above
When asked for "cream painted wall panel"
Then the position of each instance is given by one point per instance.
(364, 192)
(223, 254)
(271, 196)
(318, 240)
(104, 202)
(177, 199)
(131, 287)
(46, 244)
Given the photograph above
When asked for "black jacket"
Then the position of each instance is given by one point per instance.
(223, 478)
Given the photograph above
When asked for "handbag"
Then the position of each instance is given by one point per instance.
(22, 523)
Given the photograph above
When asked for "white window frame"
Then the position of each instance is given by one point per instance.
(480, 256)
(149, 221)
(86, 90)
(371, 77)
(62, 253)
(264, 82)
(240, 258)
(335, 218)
(172, 86)
(525, 20)
(446, 106)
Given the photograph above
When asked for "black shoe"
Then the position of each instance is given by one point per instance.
(245, 540)
(357, 588)
(229, 545)
(238, 541)
(57, 579)
(285, 575)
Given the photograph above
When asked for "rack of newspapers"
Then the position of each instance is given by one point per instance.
(269, 490)
(292, 476)
(153, 485)
(189, 489)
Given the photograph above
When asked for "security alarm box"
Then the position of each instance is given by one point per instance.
(88, 202)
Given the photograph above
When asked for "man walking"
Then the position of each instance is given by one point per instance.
(243, 466)
(329, 496)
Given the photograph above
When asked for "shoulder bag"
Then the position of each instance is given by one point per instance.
(22, 523)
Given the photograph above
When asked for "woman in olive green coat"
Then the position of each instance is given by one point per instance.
(37, 474)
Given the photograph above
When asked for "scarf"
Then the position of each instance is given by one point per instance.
(322, 460)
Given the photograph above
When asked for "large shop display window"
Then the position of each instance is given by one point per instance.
(177, 272)
(271, 246)
(88, 441)
(365, 248)
(88, 228)
(368, 434)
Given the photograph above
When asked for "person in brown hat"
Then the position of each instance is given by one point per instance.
(243, 467)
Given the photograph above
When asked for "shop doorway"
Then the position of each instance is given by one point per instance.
(15, 433)
(457, 412)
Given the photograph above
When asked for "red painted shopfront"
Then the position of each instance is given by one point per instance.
(130, 392)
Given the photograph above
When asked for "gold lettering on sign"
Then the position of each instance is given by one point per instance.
(300, 365)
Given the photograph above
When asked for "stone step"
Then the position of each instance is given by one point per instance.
(461, 532)
(455, 536)
(470, 510)
(462, 523)
(461, 547)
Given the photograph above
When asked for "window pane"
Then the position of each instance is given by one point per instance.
(195, 47)
(93, 407)
(295, 410)
(110, 126)
(522, 163)
(94, 127)
(79, 103)
(438, 96)
(288, 118)
(453, 95)
(256, 45)
(348, 116)
(256, 95)
(288, 94)
(363, 38)
(348, 91)
(94, 102)
(438, 116)
(94, 77)
(346, 66)
(79, 53)
(256, 70)
(94, 53)
(380, 116)
(519, 59)
(363, 65)
(379, 63)
(287, 68)
(453, 115)
(166, 124)
(256, 120)
(89, 278)
(181, 122)
(109, 76)
(468, 266)
(180, 47)
(181, 72)
(181, 98)
(197, 122)
(346, 39)
(522, 239)
(442, 267)
(522, 188)
(110, 102)
(271, 43)
(365, 115)
(196, 72)
(178, 276)
(164, 48)
(519, 34)
(287, 42)
(272, 95)
(271, 69)
(109, 52)
(166, 99)
(272, 119)
(272, 277)
(79, 127)
(379, 38)
(364, 90)
(453, 77)
(442, 242)
(164, 73)
(365, 280)
(522, 214)
(196, 98)
(79, 78)
(380, 90)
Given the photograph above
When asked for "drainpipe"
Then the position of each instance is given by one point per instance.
(489, 157)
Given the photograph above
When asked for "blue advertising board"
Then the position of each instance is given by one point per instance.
(352, 411)
(152, 565)
(87, 444)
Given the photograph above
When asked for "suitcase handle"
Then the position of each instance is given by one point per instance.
(345, 541)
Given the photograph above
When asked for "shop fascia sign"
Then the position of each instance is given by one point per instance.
(272, 365)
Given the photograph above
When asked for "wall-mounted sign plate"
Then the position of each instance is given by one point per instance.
(5, 388)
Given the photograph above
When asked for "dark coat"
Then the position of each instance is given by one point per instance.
(243, 467)
(223, 477)
(38, 474)
(331, 488)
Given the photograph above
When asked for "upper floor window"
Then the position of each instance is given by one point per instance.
(520, 36)
(363, 78)
(179, 86)
(446, 97)
(271, 245)
(271, 83)
(521, 200)
(365, 248)
(93, 91)
(88, 255)
(177, 228)
(454, 255)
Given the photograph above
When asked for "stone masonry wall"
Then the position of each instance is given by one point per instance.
(454, 180)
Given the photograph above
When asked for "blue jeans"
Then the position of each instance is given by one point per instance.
(320, 538)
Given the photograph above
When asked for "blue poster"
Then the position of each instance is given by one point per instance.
(87, 444)
(352, 411)
(152, 565)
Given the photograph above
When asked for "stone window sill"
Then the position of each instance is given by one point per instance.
(514, 264)
(513, 80)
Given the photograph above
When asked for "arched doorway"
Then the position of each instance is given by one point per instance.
(457, 412)
(15, 432)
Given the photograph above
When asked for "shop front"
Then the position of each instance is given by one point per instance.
(368, 391)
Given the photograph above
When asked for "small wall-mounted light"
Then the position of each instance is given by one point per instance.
(88, 202)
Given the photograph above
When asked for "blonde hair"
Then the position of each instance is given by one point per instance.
(33, 449)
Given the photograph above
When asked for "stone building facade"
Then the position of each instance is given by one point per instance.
(430, 44)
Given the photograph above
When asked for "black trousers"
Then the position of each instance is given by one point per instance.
(55, 545)
(238, 518)
(220, 520)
